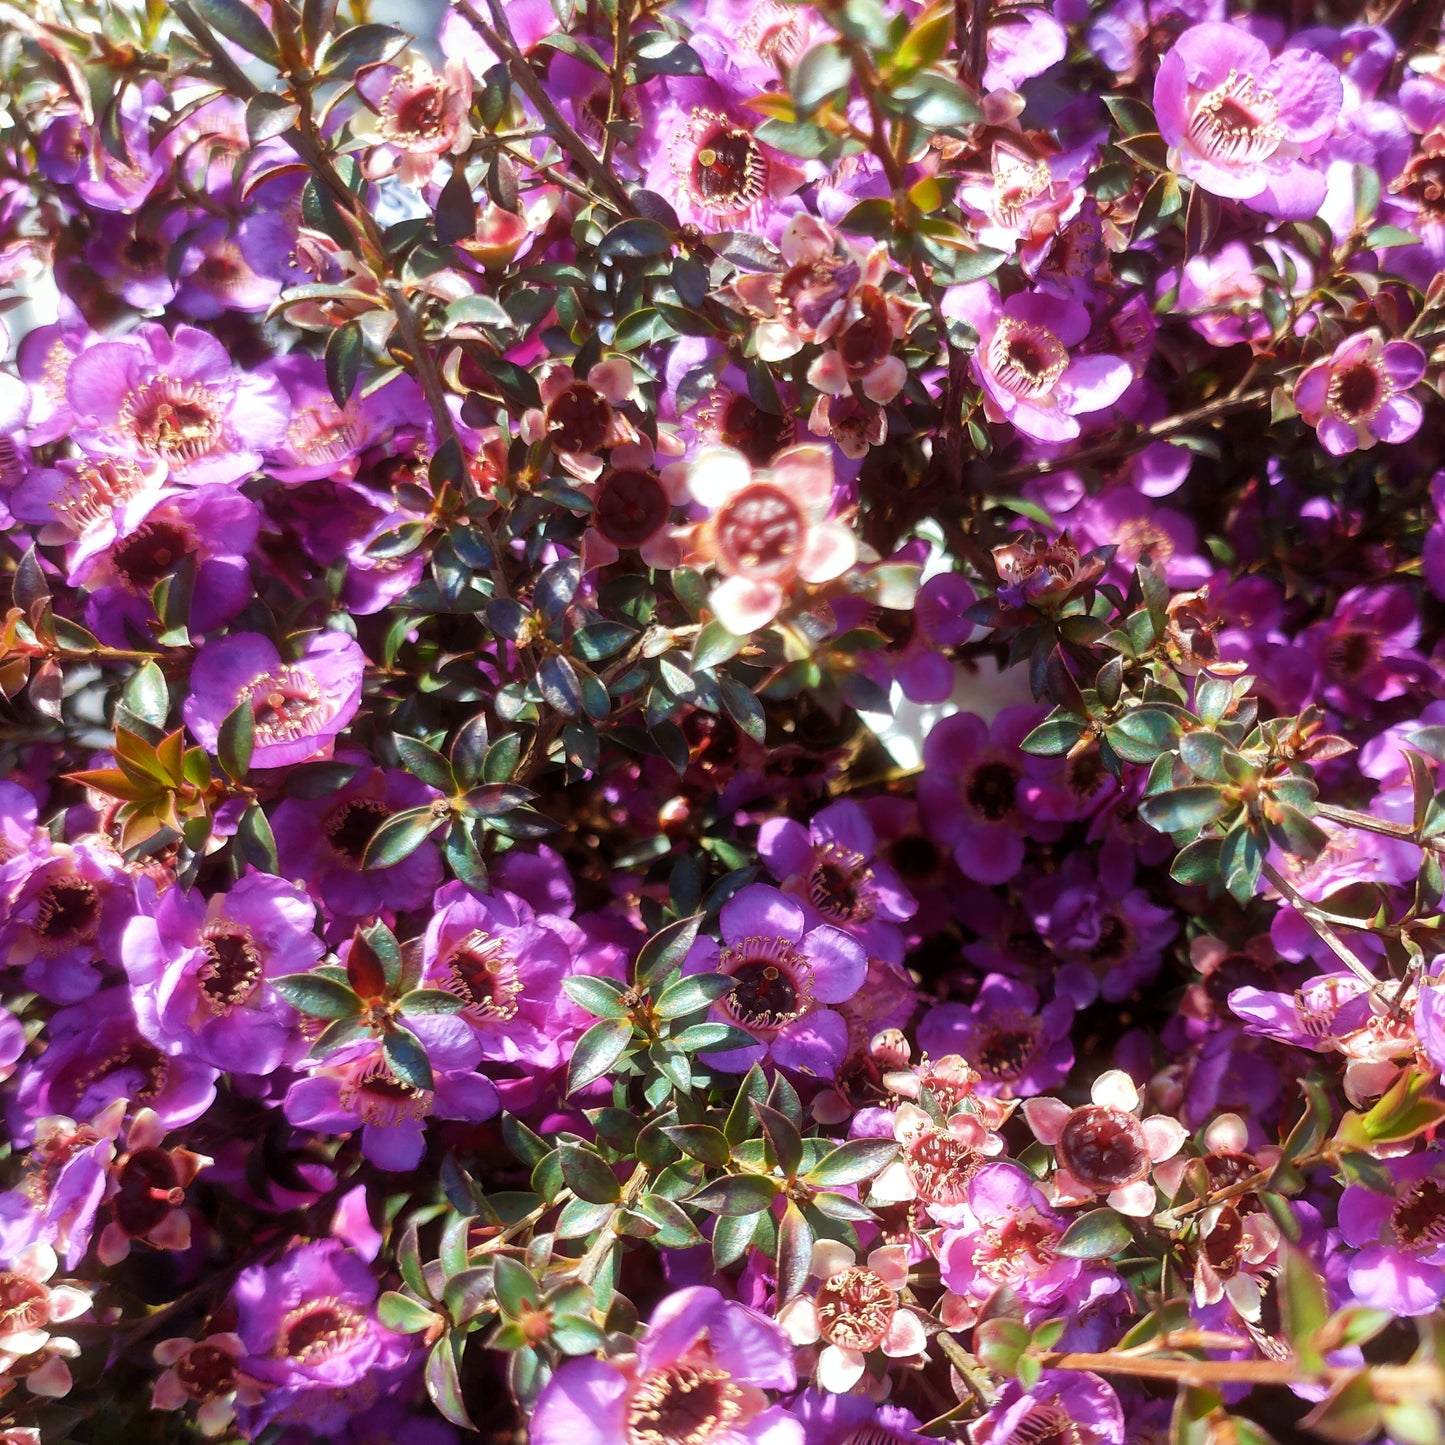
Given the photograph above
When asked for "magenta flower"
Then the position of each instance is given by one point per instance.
(1245, 126)
(1400, 1237)
(784, 975)
(1029, 363)
(299, 706)
(1062, 1405)
(201, 969)
(313, 1342)
(325, 840)
(1359, 395)
(697, 1379)
(354, 1089)
(506, 963)
(1005, 1234)
(178, 400)
(1016, 1047)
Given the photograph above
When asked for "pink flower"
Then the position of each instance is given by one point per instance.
(418, 116)
(1359, 395)
(579, 418)
(769, 529)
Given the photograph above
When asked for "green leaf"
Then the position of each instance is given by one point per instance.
(715, 644)
(736, 1194)
(687, 995)
(601, 997)
(557, 679)
(576, 1335)
(269, 115)
(1143, 733)
(235, 740)
(322, 998)
(1099, 1234)
(406, 1057)
(147, 696)
(795, 1253)
(851, 1163)
(400, 836)
(1054, 736)
(1198, 863)
(444, 1380)
(784, 1141)
(344, 350)
(256, 840)
(362, 45)
(1204, 753)
(665, 951)
(701, 1142)
(1184, 810)
(587, 1176)
(634, 239)
(933, 101)
(1304, 1305)
(822, 72)
(999, 1343)
(240, 25)
(403, 1314)
(425, 763)
(597, 1050)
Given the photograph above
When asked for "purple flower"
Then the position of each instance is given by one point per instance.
(506, 963)
(299, 706)
(1244, 125)
(1400, 1237)
(1062, 1405)
(784, 975)
(200, 971)
(1017, 1048)
(1005, 1234)
(1029, 363)
(324, 841)
(1359, 394)
(97, 1055)
(312, 1339)
(355, 1088)
(1364, 650)
(853, 1419)
(696, 1379)
(177, 400)
(833, 865)
(154, 534)
(65, 917)
(969, 793)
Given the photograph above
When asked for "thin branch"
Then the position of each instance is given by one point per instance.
(1322, 929)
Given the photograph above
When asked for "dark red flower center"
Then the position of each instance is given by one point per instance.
(855, 1309)
(866, 341)
(578, 419)
(69, 910)
(149, 1190)
(1356, 392)
(729, 171)
(150, 552)
(1104, 1148)
(1045, 1424)
(990, 790)
(351, 825)
(286, 704)
(1419, 1216)
(760, 531)
(231, 972)
(24, 1305)
(484, 976)
(317, 1330)
(1003, 1052)
(206, 1372)
(940, 1166)
(173, 420)
(839, 886)
(630, 506)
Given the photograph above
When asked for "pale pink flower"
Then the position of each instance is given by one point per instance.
(579, 418)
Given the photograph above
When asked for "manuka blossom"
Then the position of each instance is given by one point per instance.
(1062, 1404)
(1360, 394)
(579, 416)
(784, 975)
(505, 963)
(29, 1306)
(356, 1089)
(698, 1378)
(832, 865)
(324, 841)
(854, 1310)
(314, 1347)
(1245, 125)
(177, 399)
(768, 530)
(417, 115)
(201, 971)
(1104, 1147)
(1400, 1237)
(299, 707)
(1016, 1047)
(1029, 363)
(203, 1373)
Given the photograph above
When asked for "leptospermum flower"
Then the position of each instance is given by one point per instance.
(31, 1306)
(1028, 362)
(1359, 394)
(769, 529)
(203, 1373)
(632, 504)
(698, 1378)
(200, 970)
(854, 1310)
(354, 1088)
(417, 116)
(1245, 126)
(1400, 1237)
(1061, 1405)
(299, 707)
(579, 417)
(313, 1343)
(784, 975)
(1104, 1147)
(178, 400)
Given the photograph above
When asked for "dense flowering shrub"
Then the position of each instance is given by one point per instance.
(721, 722)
